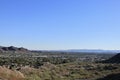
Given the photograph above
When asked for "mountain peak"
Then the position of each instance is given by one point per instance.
(12, 48)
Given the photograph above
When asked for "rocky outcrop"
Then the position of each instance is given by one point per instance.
(12, 48)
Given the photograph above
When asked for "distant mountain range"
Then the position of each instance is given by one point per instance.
(93, 51)
(86, 51)
(13, 49)
(21, 49)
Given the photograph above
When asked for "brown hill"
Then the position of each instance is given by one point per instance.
(7, 74)
(14, 49)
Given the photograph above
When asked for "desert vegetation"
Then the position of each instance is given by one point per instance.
(22, 64)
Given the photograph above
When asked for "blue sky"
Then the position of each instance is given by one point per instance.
(60, 24)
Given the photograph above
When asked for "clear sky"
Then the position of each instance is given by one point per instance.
(60, 24)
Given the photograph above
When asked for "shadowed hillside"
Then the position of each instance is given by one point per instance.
(13, 49)
(111, 77)
(114, 59)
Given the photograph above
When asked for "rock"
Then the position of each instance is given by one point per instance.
(13, 49)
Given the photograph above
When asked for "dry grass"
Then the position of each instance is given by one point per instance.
(7, 74)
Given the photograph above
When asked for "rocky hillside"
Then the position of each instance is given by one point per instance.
(7, 74)
(114, 59)
(111, 77)
(13, 49)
